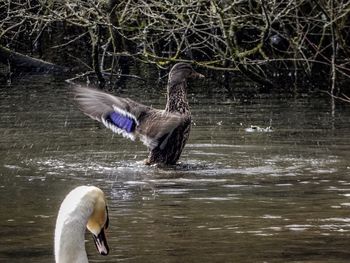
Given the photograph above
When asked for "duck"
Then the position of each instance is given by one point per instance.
(164, 132)
(84, 207)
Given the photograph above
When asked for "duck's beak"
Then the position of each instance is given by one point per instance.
(101, 243)
(195, 74)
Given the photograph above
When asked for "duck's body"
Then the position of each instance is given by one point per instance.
(164, 132)
(84, 207)
(177, 104)
(170, 154)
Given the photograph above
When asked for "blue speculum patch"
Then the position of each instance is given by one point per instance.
(121, 121)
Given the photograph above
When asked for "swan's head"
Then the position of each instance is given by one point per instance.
(84, 207)
(98, 221)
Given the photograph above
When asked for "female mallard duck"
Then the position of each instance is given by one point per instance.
(84, 207)
(164, 132)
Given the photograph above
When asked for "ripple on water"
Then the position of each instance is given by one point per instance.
(297, 227)
(336, 219)
(216, 145)
(13, 167)
(271, 217)
(174, 191)
(276, 166)
(216, 198)
(77, 166)
(335, 188)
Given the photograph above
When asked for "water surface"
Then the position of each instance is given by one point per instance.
(236, 196)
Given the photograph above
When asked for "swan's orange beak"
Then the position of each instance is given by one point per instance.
(101, 243)
(101, 240)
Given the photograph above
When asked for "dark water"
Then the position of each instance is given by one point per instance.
(236, 196)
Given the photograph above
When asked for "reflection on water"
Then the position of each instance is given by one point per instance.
(236, 196)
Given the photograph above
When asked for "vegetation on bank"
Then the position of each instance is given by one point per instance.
(268, 41)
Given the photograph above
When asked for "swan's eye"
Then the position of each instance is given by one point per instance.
(107, 219)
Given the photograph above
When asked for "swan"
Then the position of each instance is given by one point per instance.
(84, 207)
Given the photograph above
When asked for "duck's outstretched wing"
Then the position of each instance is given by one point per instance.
(127, 117)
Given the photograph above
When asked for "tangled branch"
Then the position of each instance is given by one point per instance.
(260, 38)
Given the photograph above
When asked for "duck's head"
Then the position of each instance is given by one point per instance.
(98, 221)
(182, 71)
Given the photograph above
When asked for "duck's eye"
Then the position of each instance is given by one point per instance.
(107, 220)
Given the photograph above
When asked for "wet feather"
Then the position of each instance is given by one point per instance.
(164, 132)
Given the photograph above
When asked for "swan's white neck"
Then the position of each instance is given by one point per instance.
(70, 229)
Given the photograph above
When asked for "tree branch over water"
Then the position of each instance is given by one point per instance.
(266, 40)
